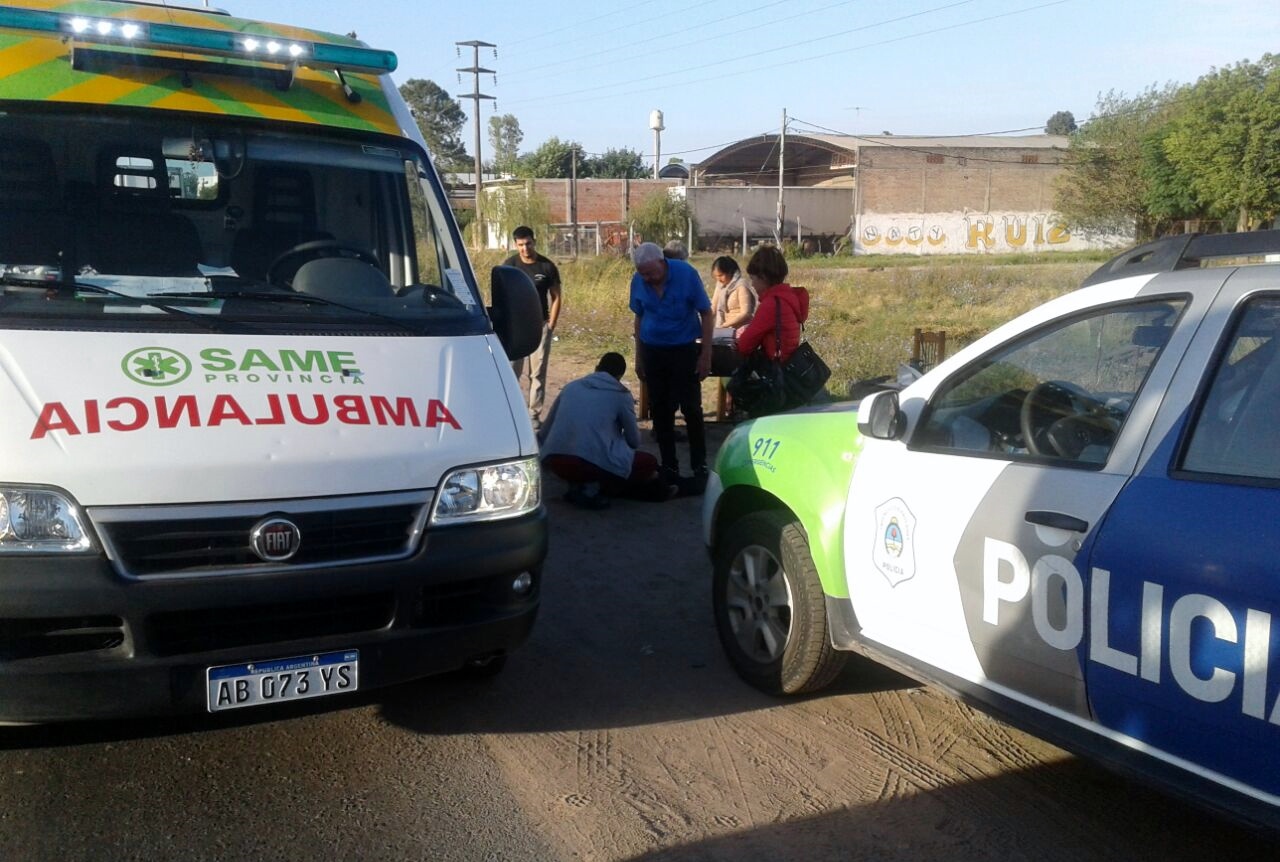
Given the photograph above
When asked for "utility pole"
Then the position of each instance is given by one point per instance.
(476, 97)
(573, 197)
(782, 154)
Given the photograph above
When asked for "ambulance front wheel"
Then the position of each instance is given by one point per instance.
(769, 606)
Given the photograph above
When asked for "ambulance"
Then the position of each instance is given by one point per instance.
(259, 436)
(1071, 523)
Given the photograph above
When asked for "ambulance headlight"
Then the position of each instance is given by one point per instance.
(489, 492)
(40, 521)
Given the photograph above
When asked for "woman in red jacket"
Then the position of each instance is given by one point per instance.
(768, 271)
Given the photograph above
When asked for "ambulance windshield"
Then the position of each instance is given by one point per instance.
(144, 223)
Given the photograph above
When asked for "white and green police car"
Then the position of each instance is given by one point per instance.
(1070, 523)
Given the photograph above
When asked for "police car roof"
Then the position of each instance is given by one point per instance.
(1186, 251)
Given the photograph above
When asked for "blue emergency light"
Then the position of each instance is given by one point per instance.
(198, 40)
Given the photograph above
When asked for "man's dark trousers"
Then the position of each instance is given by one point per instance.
(671, 373)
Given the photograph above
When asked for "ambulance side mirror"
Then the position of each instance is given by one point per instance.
(879, 416)
(516, 312)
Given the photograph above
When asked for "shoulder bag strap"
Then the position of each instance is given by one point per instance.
(777, 329)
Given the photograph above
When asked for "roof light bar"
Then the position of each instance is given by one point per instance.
(198, 40)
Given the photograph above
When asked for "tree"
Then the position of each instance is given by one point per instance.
(553, 158)
(617, 164)
(1168, 196)
(1061, 123)
(518, 203)
(660, 217)
(1226, 141)
(1105, 188)
(504, 139)
(440, 120)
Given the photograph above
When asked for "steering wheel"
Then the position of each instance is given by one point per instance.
(1057, 418)
(286, 265)
(432, 295)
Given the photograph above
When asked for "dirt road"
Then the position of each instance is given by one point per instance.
(619, 732)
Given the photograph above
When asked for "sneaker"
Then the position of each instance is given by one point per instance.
(669, 475)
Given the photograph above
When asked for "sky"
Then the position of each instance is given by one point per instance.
(724, 70)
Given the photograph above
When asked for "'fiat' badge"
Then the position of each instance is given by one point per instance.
(275, 539)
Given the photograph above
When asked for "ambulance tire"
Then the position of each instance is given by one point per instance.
(769, 606)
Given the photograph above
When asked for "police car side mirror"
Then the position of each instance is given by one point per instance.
(516, 313)
(879, 416)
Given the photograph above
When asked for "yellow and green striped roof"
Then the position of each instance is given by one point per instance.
(37, 67)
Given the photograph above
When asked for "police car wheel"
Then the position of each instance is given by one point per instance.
(769, 607)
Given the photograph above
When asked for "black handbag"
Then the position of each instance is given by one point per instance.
(805, 374)
(758, 387)
(764, 385)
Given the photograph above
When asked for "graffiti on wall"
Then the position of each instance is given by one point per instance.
(953, 233)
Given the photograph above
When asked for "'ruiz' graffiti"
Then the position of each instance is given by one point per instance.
(961, 232)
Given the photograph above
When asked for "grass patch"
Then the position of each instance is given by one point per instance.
(861, 317)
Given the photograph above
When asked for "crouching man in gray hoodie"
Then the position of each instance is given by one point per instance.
(590, 440)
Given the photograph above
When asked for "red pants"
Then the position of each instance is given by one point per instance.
(571, 468)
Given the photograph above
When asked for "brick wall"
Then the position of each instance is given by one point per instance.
(982, 180)
(599, 200)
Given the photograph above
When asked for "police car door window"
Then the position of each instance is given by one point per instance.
(1235, 429)
(1059, 394)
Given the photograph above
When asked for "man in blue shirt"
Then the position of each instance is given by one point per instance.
(672, 312)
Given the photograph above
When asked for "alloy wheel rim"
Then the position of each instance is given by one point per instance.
(758, 604)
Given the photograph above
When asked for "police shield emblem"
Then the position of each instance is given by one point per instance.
(893, 550)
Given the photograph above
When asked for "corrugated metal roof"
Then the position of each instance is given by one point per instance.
(937, 142)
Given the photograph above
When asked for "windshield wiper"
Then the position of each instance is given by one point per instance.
(289, 296)
(201, 320)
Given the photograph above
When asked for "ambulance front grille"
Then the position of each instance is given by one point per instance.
(146, 541)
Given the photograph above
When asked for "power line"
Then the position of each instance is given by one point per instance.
(682, 30)
(578, 26)
(799, 44)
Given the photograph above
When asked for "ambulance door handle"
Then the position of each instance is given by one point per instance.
(1058, 520)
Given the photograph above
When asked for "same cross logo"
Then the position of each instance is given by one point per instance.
(156, 366)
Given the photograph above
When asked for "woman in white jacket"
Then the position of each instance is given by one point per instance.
(734, 299)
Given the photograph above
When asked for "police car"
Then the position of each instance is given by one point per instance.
(1070, 523)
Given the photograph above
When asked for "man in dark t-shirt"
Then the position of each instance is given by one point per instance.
(546, 278)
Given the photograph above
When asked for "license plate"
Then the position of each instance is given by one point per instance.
(236, 685)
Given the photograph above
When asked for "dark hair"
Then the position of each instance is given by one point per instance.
(726, 265)
(614, 363)
(522, 232)
(769, 264)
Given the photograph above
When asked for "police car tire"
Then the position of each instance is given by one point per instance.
(808, 662)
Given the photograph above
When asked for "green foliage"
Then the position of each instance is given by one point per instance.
(1061, 123)
(440, 120)
(617, 164)
(1226, 141)
(515, 204)
(1168, 194)
(1104, 188)
(504, 140)
(661, 218)
(552, 159)
(1179, 152)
